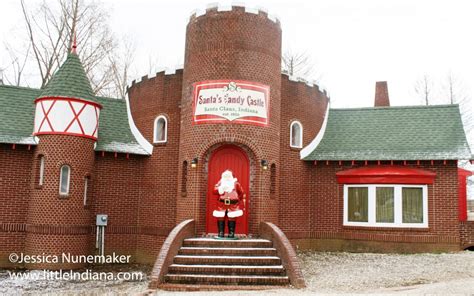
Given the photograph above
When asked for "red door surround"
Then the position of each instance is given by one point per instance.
(227, 157)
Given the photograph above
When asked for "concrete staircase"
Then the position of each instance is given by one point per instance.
(211, 262)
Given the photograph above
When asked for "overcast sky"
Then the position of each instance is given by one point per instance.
(353, 43)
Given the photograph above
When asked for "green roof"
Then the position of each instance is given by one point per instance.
(70, 81)
(392, 133)
(17, 111)
(115, 134)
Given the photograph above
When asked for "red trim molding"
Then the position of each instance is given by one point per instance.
(385, 175)
(462, 192)
(75, 117)
(70, 100)
(65, 133)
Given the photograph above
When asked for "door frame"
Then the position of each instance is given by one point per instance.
(209, 186)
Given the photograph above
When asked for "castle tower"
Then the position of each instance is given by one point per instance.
(66, 124)
(230, 112)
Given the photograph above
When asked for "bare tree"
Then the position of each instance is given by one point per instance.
(120, 69)
(298, 64)
(51, 28)
(424, 89)
(17, 65)
(455, 93)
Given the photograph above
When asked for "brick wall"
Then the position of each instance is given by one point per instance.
(467, 234)
(15, 186)
(307, 105)
(116, 192)
(160, 95)
(328, 233)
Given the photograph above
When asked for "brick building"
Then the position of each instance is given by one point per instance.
(380, 178)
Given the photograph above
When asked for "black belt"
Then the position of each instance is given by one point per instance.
(229, 201)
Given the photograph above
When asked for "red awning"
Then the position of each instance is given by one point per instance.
(385, 175)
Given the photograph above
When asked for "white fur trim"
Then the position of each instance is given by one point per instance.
(234, 214)
(310, 148)
(218, 214)
(138, 136)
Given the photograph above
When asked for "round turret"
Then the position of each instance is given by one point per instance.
(66, 123)
(231, 98)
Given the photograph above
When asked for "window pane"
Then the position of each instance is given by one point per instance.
(64, 185)
(358, 198)
(412, 205)
(296, 135)
(41, 172)
(86, 185)
(384, 204)
(160, 130)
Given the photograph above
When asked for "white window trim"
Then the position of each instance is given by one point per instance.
(300, 144)
(166, 129)
(61, 178)
(86, 187)
(398, 213)
(41, 171)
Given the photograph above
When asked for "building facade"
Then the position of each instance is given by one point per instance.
(380, 178)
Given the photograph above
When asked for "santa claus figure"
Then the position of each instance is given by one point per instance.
(230, 194)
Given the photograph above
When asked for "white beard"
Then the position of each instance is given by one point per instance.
(226, 186)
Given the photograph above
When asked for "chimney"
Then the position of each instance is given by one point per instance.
(381, 94)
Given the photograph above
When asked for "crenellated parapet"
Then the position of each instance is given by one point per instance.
(219, 7)
(311, 84)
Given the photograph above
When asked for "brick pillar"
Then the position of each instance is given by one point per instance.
(381, 94)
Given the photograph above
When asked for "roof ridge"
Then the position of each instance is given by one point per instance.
(19, 87)
(397, 107)
(110, 99)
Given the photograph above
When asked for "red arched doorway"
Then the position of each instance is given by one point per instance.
(227, 157)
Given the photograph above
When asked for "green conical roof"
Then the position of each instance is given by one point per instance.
(70, 81)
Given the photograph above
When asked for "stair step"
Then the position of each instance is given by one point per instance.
(227, 269)
(211, 242)
(226, 260)
(227, 251)
(227, 279)
(203, 287)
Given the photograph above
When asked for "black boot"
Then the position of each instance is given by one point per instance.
(220, 228)
(231, 225)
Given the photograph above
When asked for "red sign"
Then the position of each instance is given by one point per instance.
(231, 101)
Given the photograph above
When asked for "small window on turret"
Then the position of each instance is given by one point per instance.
(41, 171)
(296, 135)
(86, 189)
(64, 180)
(160, 130)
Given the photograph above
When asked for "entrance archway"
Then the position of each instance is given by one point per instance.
(227, 157)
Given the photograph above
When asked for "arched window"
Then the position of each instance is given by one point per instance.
(296, 135)
(41, 171)
(64, 180)
(160, 132)
(86, 189)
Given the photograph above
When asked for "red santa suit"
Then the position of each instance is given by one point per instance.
(230, 195)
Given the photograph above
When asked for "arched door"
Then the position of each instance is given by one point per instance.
(227, 157)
